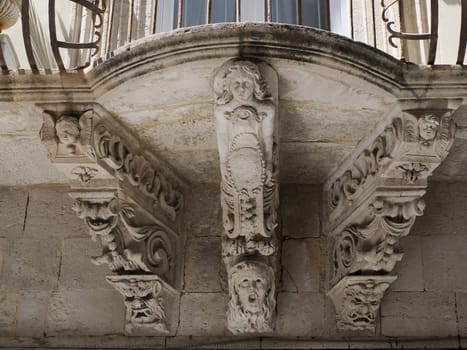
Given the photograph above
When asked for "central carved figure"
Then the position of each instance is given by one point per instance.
(252, 302)
(246, 97)
(245, 117)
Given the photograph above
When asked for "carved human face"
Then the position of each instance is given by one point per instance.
(252, 287)
(144, 310)
(67, 130)
(242, 85)
(428, 126)
(362, 304)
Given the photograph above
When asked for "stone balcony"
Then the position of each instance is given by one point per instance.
(138, 126)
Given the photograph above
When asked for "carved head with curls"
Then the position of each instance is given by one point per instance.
(252, 297)
(68, 132)
(428, 126)
(242, 81)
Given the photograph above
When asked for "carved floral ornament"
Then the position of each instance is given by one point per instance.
(375, 203)
(247, 136)
(143, 258)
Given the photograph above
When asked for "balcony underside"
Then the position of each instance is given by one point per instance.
(333, 92)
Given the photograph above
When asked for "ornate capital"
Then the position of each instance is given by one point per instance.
(246, 111)
(373, 201)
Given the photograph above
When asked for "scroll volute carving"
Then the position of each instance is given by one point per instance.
(246, 112)
(374, 203)
(143, 257)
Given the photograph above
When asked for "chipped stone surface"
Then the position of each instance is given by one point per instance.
(301, 265)
(77, 271)
(47, 203)
(300, 207)
(300, 314)
(203, 266)
(202, 314)
(12, 211)
(31, 264)
(412, 314)
(69, 313)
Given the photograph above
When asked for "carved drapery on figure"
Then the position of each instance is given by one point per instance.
(246, 114)
(121, 194)
(373, 203)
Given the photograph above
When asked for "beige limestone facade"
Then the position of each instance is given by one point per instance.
(236, 185)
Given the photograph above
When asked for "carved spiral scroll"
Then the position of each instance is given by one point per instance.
(137, 170)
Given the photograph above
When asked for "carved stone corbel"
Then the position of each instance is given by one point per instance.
(127, 202)
(373, 202)
(147, 299)
(246, 112)
(88, 145)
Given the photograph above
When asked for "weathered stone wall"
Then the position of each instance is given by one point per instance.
(51, 295)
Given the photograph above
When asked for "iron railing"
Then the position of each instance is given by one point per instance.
(102, 26)
(433, 34)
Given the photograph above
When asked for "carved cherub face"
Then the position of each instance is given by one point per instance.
(242, 85)
(428, 126)
(68, 132)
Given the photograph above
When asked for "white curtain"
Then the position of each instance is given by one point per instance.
(339, 13)
(166, 10)
(252, 11)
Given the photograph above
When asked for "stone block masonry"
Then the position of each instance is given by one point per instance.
(51, 293)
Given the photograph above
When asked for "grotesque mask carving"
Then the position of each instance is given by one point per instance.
(252, 302)
(357, 300)
(144, 305)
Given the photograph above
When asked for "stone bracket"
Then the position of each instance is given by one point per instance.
(128, 199)
(246, 112)
(373, 202)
